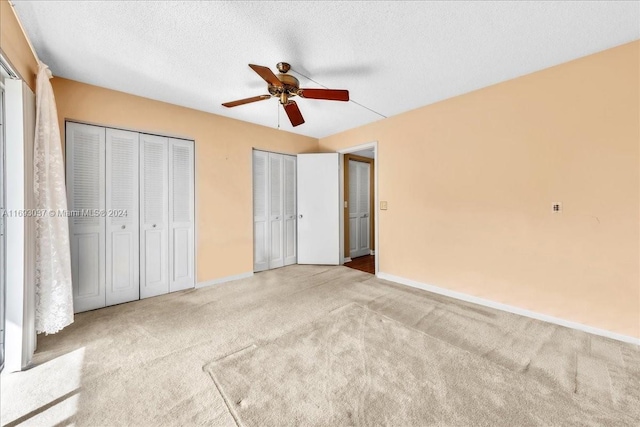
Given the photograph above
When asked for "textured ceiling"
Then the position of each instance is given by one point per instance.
(391, 56)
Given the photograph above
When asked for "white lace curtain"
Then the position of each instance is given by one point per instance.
(54, 297)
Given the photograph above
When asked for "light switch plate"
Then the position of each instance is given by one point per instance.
(383, 206)
(556, 207)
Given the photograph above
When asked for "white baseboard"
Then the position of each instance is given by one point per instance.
(372, 252)
(509, 308)
(224, 280)
(344, 260)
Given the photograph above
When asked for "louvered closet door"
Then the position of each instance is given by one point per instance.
(353, 209)
(261, 241)
(290, 211)
(358, 208)
(276, 210)
(122, 220)
(154, 212)
(85, 161)
(363, 208)
(181, 215)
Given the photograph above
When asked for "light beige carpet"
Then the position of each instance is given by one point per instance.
(357, 367)
(143, 363)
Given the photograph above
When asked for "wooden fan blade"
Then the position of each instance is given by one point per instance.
(246, 101)
(330, 94)
(266, 74)
(295, 116)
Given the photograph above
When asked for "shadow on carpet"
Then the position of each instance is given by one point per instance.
(358, 367)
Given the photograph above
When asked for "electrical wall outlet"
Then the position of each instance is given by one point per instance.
(556, 207)
(383, 206)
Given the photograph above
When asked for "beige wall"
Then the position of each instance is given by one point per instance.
(470, 182)
(224, 210)
(15, 47)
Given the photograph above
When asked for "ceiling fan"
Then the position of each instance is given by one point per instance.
(285, 86)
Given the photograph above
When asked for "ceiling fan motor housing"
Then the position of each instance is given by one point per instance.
(290, 86)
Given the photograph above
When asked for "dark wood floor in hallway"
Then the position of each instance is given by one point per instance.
(365, 263)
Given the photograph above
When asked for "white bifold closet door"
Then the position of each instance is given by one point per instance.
(122, 232)
(260, 210)
(154, 215)
(85, 162)
(181, 215)
(359, 207)
(290, 211)
(167, 218)
(133, 230)
(274, 210)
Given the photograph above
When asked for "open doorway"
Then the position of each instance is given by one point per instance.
(359, 216)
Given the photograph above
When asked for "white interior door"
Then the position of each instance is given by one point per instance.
(276, 210)
(260, 210)
(318, 209)
(181, 215)
(353, 209)
(122, 221)
(364, 202)
(154, 211)
(85, 146)
(290, 211)
(359, 207)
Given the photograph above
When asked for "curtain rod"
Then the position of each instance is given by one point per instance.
(24, 33)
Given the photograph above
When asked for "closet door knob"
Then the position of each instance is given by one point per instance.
(123, 227)
(154, 226)
(300, 215)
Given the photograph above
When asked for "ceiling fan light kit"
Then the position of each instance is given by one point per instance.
(284, 87)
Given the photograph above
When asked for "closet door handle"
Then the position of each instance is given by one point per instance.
(123, 227)
(300, 215)
(154, 226)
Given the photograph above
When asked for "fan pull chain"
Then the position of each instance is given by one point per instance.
(278, 107)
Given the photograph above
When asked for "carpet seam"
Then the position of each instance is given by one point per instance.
(235, 416)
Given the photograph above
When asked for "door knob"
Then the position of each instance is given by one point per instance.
(300, 215)
(365, 215)
(277, 217)
(154, 226)
(124, 226)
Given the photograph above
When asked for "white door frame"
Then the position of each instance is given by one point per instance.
(2, 228)
(368, 145)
